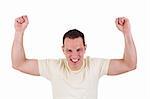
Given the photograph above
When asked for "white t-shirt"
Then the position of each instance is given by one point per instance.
(68, 84)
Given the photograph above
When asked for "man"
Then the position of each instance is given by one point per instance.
(74, 77)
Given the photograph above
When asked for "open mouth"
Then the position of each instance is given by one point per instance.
(74, 60)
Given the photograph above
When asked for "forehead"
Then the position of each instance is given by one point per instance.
(73, 43)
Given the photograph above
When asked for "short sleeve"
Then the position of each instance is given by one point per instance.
(47, 67)
(104, 66)
(100, 66)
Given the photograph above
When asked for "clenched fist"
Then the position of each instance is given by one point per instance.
(21, 24)
(123, 25)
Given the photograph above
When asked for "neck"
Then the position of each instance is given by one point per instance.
(76, 68)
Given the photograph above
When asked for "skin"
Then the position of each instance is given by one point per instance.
(73, 50)
(19, 60)
(129, 60)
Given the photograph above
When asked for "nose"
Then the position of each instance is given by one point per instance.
(75, 55)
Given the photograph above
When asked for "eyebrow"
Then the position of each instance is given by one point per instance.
(73, 49)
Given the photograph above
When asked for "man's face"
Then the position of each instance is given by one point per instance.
(74, 51)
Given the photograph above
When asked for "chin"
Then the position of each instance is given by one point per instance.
(75, 64)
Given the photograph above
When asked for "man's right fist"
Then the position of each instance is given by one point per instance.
(21, 24)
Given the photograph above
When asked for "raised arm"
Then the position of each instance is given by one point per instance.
(19, 60)
(129, 61)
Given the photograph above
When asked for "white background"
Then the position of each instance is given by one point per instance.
(50, 19)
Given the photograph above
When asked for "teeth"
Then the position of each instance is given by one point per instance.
(74, 60)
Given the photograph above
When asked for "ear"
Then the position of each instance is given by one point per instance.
(62, 47)
(85, 46)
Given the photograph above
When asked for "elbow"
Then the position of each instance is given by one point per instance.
(15, 66)
(132, 65)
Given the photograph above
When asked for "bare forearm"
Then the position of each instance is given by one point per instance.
(18, 54)
(130, 56)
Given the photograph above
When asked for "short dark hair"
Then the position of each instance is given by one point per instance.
(72, 34)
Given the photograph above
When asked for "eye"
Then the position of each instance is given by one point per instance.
(69, 50)
(78, 50)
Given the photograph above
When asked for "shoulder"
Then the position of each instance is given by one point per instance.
(94, 60)
(99, 66)
(49, 62)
